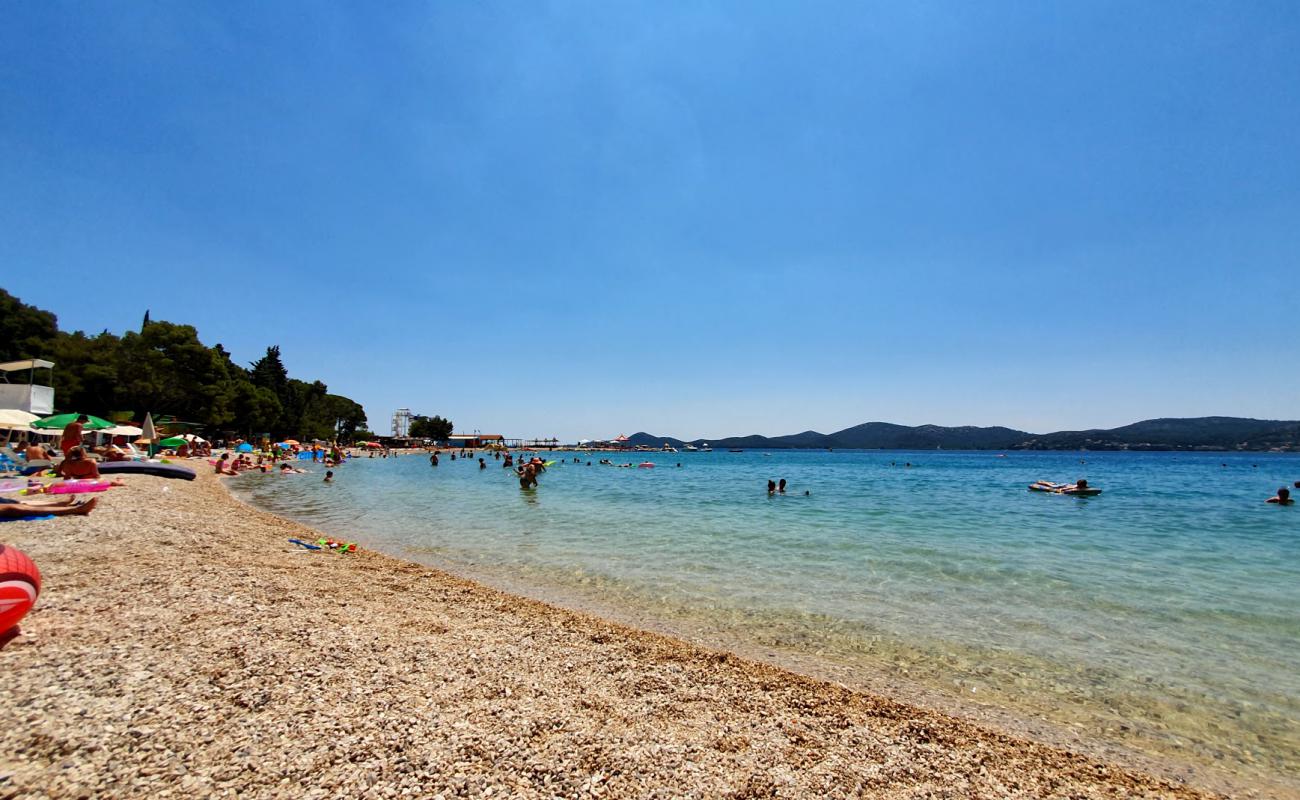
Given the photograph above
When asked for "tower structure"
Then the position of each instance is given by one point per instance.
(402, 422)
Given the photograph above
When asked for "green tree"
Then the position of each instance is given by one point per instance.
(85, 371)
(25, 331)
(435, 427)
(166, 368)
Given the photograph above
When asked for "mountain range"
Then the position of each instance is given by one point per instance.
(1194, 433)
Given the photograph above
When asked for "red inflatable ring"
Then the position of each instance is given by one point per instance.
(20, 585)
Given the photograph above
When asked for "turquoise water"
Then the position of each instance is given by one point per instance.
(1160, 616)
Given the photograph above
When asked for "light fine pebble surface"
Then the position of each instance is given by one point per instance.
(182, 648)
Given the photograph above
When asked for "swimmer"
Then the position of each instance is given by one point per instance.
(771, 487)
(329, 476)
(1282, 498)
(780, 487)
(482, 464)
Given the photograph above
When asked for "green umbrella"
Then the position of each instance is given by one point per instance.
(61, 421)
(175, 441)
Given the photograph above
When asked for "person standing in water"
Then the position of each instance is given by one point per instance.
(771, 487)
(329, 476)
(1282, 498)
(482, 464)
(780, 487)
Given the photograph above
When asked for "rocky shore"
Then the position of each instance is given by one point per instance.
(182, 648)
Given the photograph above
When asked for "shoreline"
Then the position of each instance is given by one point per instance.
(179, 643)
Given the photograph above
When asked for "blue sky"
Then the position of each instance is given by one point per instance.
(699, 219)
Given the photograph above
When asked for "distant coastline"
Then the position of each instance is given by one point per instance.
(1234, 434)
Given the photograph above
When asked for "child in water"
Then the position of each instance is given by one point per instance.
(329, 476)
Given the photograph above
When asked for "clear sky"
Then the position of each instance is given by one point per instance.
(692, 218)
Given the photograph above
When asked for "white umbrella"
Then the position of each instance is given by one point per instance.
(191, 438)
(16, 419)
(148, 432)
(122, 430)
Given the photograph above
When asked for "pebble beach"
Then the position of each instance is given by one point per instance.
(181, 647)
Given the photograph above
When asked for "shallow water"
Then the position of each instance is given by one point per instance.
(1160, 616)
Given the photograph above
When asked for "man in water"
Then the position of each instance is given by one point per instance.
(482, 464)
(329, 476)
(780, 487)
(771, 487)
(1282, 498)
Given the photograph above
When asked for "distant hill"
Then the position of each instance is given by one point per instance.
(1198, 433)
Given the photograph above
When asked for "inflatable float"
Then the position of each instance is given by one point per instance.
(146, 468)
(646, 465)
(20, 585)
(77, 487)
(1063, 488)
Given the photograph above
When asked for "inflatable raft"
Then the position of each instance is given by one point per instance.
(1063, 488)
(146, 468)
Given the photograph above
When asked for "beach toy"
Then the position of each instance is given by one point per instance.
(307, 545)
(75, 487)
(646, 465)
(12, 486)
(20, 585)
(338, 547)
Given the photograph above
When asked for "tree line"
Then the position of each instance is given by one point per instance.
(165, 368)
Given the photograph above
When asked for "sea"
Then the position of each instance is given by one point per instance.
(1158, 620)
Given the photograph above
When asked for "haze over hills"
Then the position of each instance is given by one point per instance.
(1195, 433)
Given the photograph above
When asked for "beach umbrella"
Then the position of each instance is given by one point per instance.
(16, 418)
(61, 421)
(173, 441)
(290, 441)
(148, 431)
(245, 448)
(123, 430)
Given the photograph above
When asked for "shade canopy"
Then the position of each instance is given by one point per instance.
(16, 418)
(123, 430)
(31, 363)
(59, 421)
(245, 448)
(173, 441)
(148, 432)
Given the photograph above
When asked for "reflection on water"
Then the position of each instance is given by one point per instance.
(1160, 615)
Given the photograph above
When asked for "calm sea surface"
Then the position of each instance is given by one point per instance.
(1162, 616)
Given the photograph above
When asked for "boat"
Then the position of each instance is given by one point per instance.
(704, 448)
(735, 450)
(690, 448)
(667, 448)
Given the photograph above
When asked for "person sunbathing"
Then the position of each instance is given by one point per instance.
(111, 452)
(77, 466)
(14, 509)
